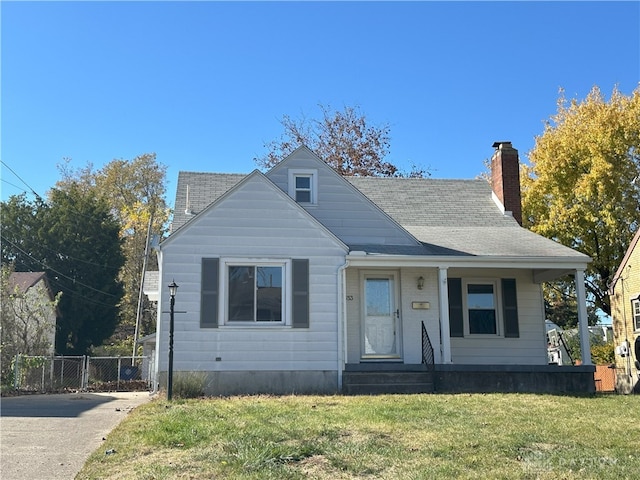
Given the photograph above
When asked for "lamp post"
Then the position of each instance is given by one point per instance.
(173, 288)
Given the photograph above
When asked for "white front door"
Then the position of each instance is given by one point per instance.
(381, 335)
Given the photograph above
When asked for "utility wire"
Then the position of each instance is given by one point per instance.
(20, 178)
(56, 271)
(75, 259)
(13, 185)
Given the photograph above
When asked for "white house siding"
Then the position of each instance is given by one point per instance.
(341, 208)
(254, 221)
(529, 348)
(411, 319)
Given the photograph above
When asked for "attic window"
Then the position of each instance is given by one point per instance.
(303, 186)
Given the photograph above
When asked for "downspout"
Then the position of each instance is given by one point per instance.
(342, 321)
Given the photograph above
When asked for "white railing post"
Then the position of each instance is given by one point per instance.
(583, 321)
(443, 291)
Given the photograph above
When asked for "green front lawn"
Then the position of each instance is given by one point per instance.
(376, 437)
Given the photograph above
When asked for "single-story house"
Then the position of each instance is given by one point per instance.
(625, 310)
(301, 280)
(34, 313)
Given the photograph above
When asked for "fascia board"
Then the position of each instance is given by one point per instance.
(537, 263)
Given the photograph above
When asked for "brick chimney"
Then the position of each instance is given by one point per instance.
(505, 178)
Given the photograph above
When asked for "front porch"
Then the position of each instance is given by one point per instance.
(422, 328)
(373, 378)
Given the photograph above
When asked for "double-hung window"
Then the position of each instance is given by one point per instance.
(481, 309)
(635, 312)
(255, 293)
(303, 188)
(240, 291)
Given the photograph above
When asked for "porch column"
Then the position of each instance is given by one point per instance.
(583, 322)
(443, 291)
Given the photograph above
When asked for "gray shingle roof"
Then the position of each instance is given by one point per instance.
(450, 217)
(433, 202)
(204, 189)
(455, 217)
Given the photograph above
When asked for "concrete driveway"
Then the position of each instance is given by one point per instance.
(49, 437)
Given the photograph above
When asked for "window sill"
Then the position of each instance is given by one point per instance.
(254, 325)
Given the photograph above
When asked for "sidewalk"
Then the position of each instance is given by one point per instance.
(49, 437)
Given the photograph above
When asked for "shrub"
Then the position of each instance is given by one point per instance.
(603, 354)
(189, 384)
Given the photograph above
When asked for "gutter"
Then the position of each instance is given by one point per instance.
(369, 259)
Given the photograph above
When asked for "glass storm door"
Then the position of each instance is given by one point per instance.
(381, 317)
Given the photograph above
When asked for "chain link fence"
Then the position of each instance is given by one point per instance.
(51, 374)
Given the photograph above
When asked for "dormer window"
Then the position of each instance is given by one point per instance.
(303, 186)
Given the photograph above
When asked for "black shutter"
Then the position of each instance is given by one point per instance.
(510, 308)
(209, 293)
(300, 281)
(456, 322)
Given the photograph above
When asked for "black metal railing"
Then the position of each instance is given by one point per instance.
(427, 349)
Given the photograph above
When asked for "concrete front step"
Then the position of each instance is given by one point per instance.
(380, 382)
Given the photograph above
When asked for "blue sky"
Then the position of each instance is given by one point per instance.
(204, 84)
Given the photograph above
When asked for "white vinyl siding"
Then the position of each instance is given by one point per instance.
(255, 224)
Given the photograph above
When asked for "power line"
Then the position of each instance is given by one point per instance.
(20, 178)
(13, 185)
(74, 294)
(75, 259)
(39, 262)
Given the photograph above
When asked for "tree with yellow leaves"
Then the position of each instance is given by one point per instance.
(582, 184)
(134, 190)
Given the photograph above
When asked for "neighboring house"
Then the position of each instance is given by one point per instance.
(625, 310)
(33, 312)
(151, 289)
(301, 280)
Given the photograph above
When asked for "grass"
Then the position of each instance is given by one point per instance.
(379, 437)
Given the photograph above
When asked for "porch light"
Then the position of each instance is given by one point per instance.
(420, 282)
(173, 289)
